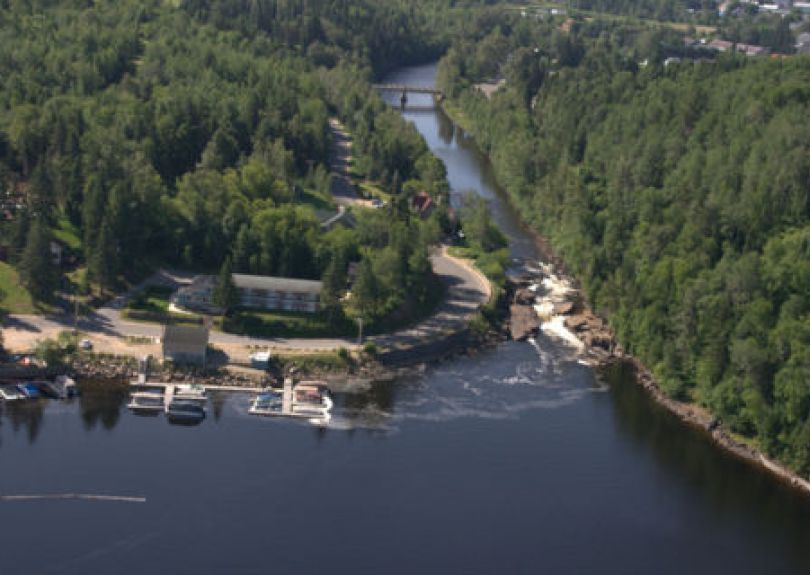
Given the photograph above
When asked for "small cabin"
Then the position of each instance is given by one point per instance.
(185, 344)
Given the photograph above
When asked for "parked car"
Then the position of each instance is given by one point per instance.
(86, 344)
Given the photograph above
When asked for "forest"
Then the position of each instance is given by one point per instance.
(678, 192)
(195, 134)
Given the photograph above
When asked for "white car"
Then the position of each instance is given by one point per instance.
(86, 344)
(377, 203)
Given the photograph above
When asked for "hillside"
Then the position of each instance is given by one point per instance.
(678, 192)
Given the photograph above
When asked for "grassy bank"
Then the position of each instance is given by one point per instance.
(14, 298)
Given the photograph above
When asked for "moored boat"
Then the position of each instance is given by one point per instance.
(146, 403)
(311, 397)
(194, 393)
(183, 411)
(268, 403)
(65, 386)
(10, 393)
(29, 389)
(48, 389)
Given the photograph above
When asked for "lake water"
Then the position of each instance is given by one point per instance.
(512, 461)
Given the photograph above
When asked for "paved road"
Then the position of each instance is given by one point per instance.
(467, 289)
(340, 159)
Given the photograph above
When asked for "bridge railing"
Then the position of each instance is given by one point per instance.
(407, 88)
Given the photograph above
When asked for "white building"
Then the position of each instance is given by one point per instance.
(258, 292)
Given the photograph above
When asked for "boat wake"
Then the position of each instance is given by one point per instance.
(526, 377)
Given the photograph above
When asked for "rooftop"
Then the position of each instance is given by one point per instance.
(244, 281)
(185, 338)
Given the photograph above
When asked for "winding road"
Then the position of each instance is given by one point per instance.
(467, 290)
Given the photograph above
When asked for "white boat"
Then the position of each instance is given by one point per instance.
(268, 403)
(306, 410)
(10, 393)
(311, 399)
(307, 400)
(182, 411)
(322, 421)
(65, 386)
(146, 402)
(309, 395)
(194, 393)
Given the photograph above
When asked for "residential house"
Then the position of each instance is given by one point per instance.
(423, 204)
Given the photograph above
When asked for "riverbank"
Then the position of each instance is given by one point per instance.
(602, 350)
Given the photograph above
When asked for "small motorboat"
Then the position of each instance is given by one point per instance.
(269, 403)
(181, 411)
(321, 421)
(10, 393)
(66, 387)
(311, 398)
(30, 390)
(47, 389)
(146, 403)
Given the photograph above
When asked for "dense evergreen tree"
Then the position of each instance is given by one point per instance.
(225, 294)
(37, 270)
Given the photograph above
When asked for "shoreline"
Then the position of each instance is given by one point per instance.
(600, 357)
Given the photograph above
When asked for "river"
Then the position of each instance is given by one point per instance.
(512, 461)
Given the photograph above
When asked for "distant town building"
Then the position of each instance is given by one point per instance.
(721, 45)
(185, 344)
(803, 7)
(258, 292)
(747, 49)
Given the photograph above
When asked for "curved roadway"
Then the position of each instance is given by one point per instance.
(467, 290)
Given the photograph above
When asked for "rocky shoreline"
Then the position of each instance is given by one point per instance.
(535, 303)
(125, 369)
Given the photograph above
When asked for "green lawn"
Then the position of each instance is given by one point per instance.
(153, 299)
(14, 298)
(317, 201)
(373, 190)
(285, 324)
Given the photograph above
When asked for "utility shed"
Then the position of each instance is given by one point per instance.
(185, 343)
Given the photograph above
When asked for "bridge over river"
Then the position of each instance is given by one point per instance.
(405, 88)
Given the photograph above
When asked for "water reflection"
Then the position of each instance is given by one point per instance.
(25, 415)
(101, 403)
(731, 488)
